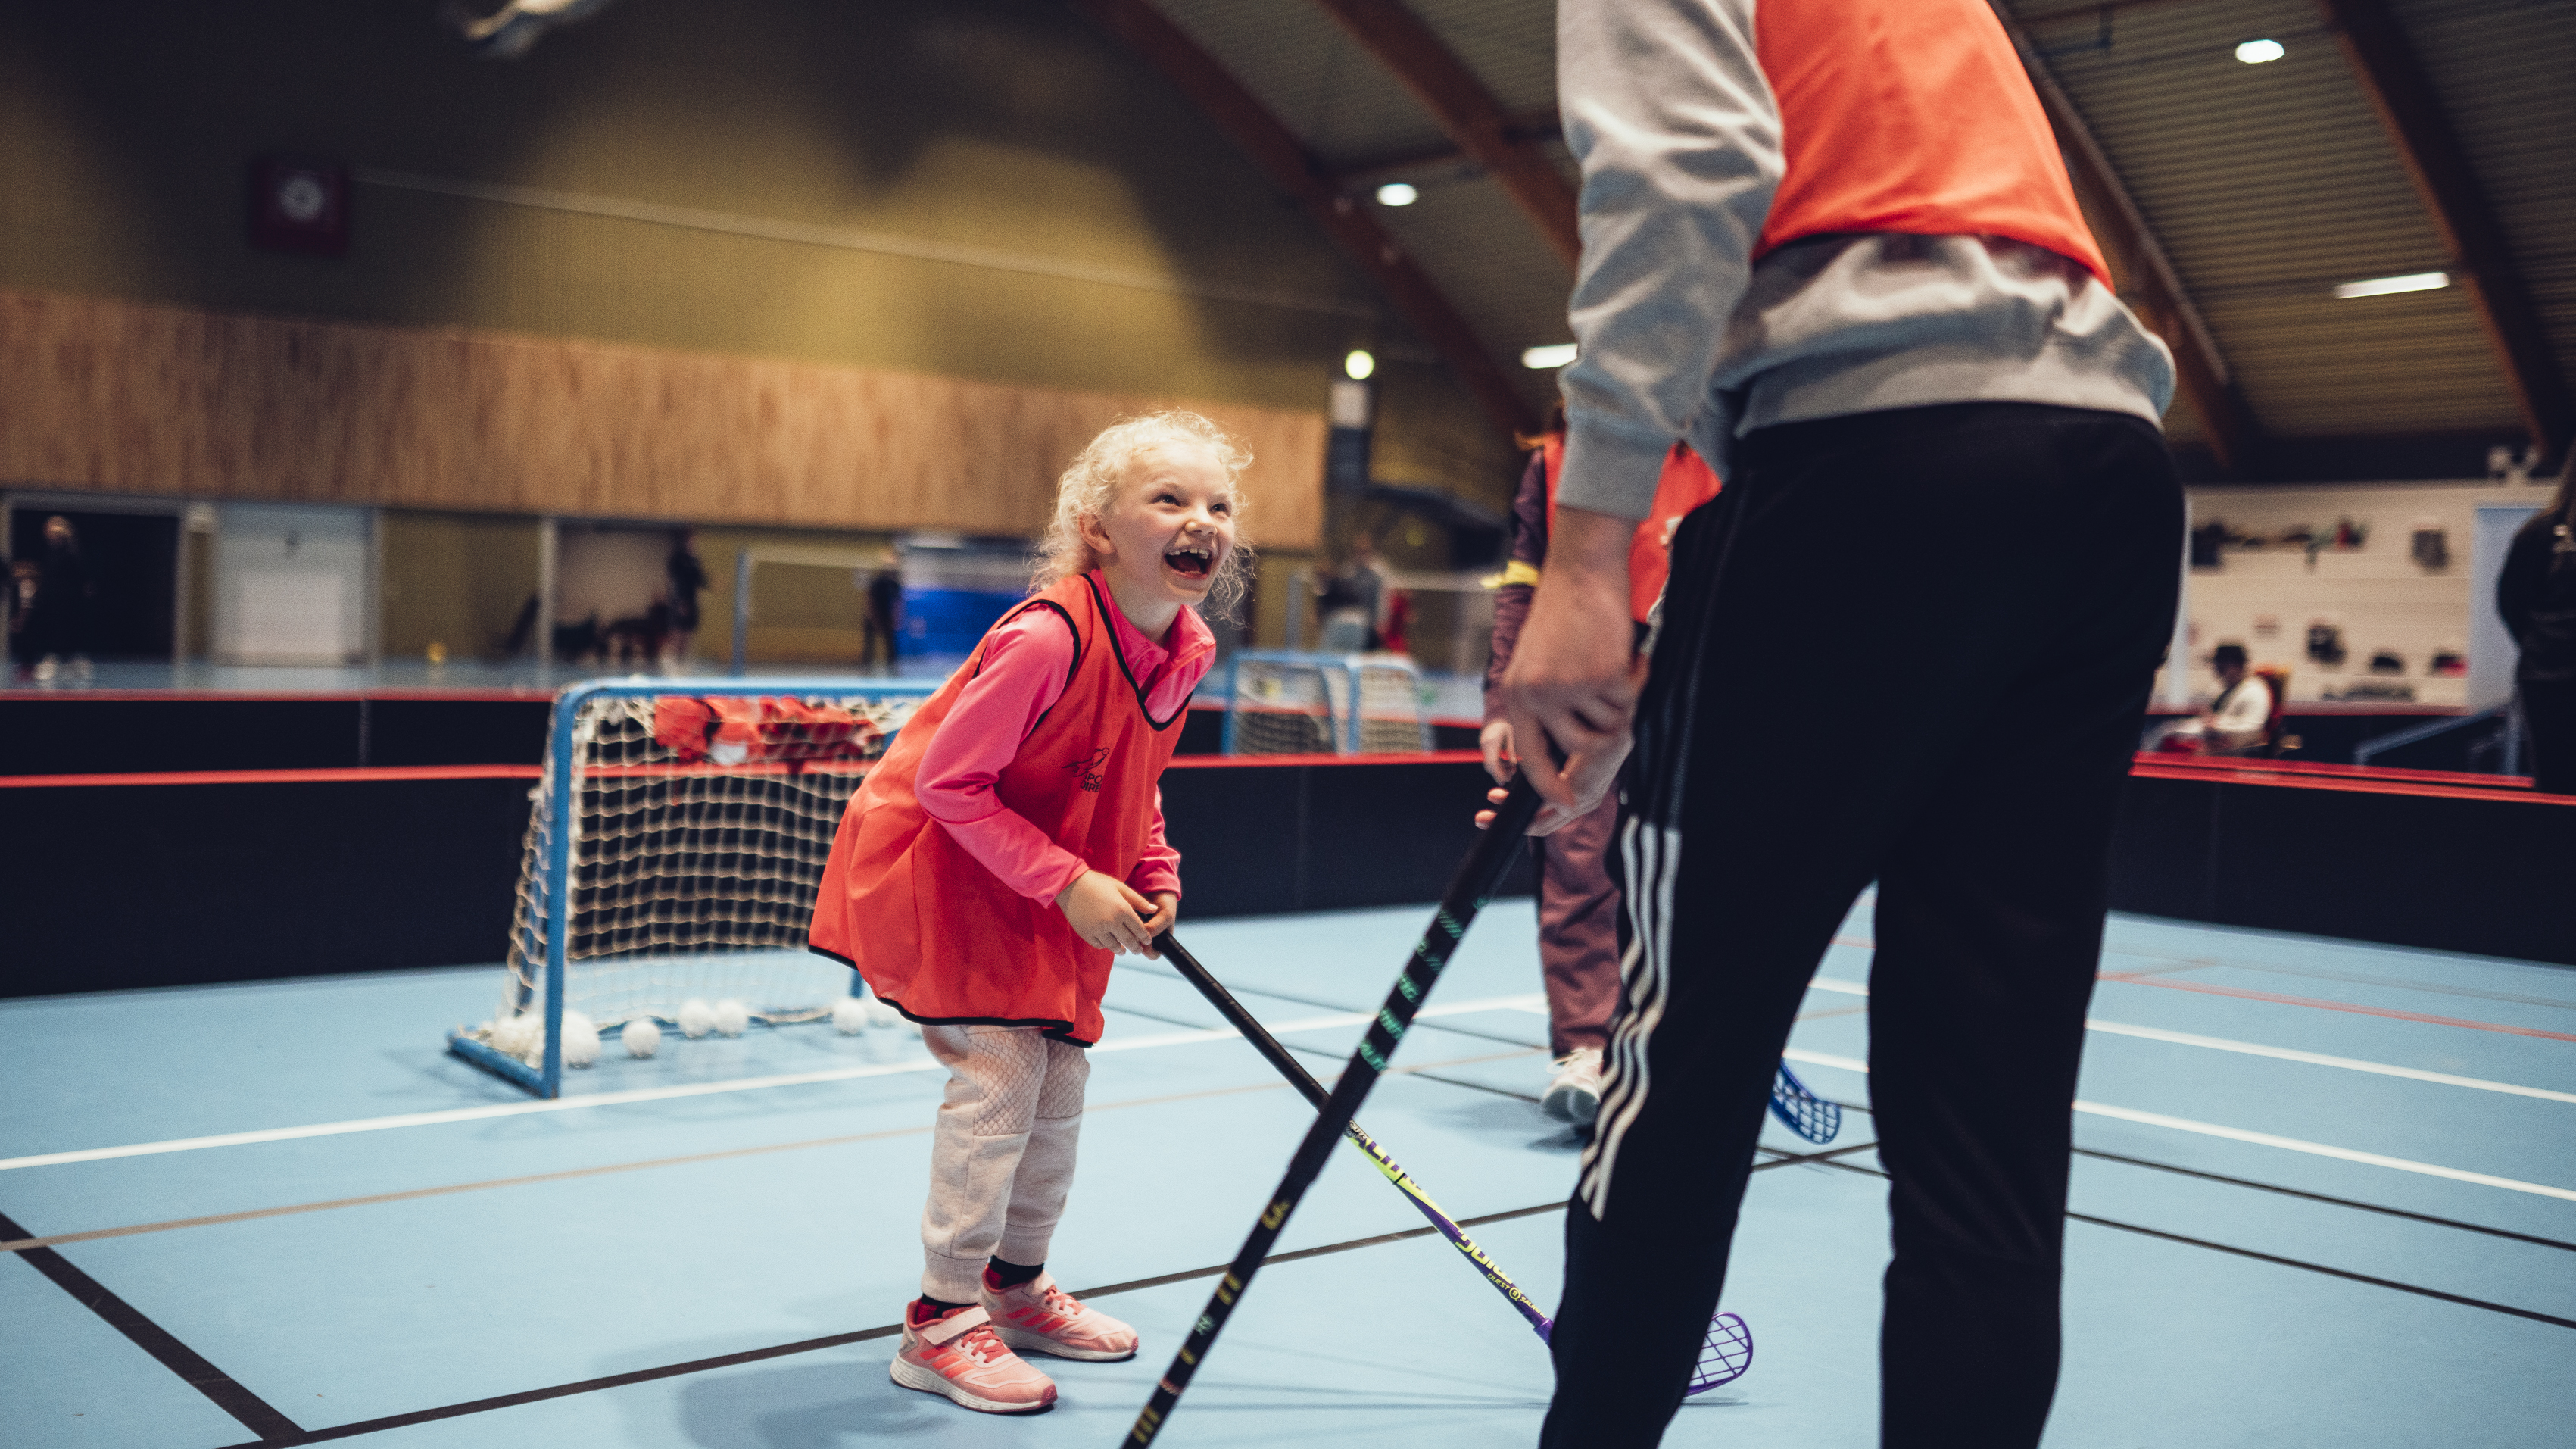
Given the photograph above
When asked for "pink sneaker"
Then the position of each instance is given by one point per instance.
(1039, 1317)
(956, 1354)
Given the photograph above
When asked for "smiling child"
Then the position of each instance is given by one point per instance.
(1008, 846)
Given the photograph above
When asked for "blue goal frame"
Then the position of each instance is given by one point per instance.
(1346, 732)
(547, 1082)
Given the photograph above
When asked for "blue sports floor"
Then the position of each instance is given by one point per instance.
(2327, 1196)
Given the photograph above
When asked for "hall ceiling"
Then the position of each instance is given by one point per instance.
(2391, 137)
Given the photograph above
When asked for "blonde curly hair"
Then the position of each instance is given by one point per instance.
(1089, 487)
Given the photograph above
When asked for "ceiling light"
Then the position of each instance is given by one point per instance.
(2382, 286)
(1548, 358)
(1397, 193)
(1359, 365)
(2259, 52)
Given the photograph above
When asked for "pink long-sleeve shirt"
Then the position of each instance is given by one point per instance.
(1026, 662)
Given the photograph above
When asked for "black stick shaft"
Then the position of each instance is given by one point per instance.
(1474, 883)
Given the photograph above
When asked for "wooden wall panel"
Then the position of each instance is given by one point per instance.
(123, 397)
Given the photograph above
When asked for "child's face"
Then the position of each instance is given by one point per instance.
(1170, 527)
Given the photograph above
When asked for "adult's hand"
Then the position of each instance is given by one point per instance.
(1496, 741)
(1572, 687)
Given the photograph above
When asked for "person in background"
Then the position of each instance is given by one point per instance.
(1351, 604)
(26, 579)
(2536, 597)
(1833, 244)
(688, 580)
(2238, 720)
(59, 614)
(883, 631)
(1578, 905)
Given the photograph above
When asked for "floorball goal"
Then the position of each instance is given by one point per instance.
(1285, 702)
(674, 846)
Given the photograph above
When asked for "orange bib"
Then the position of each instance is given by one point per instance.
(1686, 484)
(936, 935)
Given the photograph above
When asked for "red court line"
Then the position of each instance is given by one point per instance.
(2125, 979)
(360, 773)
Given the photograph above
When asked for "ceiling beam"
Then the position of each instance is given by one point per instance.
(1459, 101)
(2154, 288)
(1287, 164)
(2403, 95)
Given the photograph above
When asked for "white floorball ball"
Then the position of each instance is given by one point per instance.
(850, 1015)
(580, 1040)
(697, 1018)
(732, 1017)
(643, 1037)
(522, 1036)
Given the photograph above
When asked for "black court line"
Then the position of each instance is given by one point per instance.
(810, 1345)
(2328, 1198)
(254, 1412)
(2417, 1289)
(2368, 1207)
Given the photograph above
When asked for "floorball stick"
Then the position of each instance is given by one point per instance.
(1728, 1350)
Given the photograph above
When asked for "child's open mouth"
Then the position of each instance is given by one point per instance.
(1190, 560)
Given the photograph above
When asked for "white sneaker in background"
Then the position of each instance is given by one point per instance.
(1574, 1087)
(46, 668)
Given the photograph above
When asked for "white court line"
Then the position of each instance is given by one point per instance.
(2260, 1139)
(2286, 1054)
(694, 1089)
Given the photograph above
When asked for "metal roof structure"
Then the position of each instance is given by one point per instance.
(2390, 137)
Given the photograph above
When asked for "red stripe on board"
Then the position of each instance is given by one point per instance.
(530, 695)
(2226, 765)
(360, 773)
(1227, 762)
(2355, 787)
(2125, 979)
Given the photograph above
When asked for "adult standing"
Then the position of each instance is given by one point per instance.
(2536, 595)
(688, 580)
(1833, 243)
(885, 614)
(1578, 905)
(59, 617)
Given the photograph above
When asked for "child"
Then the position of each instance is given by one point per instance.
(1578, 906)
(1006, 847)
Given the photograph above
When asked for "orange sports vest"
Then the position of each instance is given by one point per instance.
(1912, 116)
(1686, 484)
(936, 935)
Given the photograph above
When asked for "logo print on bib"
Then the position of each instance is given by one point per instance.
(1089, 768)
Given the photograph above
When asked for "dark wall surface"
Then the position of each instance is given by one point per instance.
(70, 735)
(165, 885)
(141, 885)
(2493, 874)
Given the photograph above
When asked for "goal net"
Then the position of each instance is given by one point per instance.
(1281, 702)
(673, 852)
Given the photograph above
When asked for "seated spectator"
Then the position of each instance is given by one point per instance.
(2239, 721)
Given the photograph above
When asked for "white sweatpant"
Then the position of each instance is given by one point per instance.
(1001, 1154)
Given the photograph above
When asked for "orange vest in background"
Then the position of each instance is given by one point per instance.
(1912, 116)
(933, 932)
(1686, 484)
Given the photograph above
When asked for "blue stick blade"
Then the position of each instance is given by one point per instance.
(1802, 1111)
(1725, 1357)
